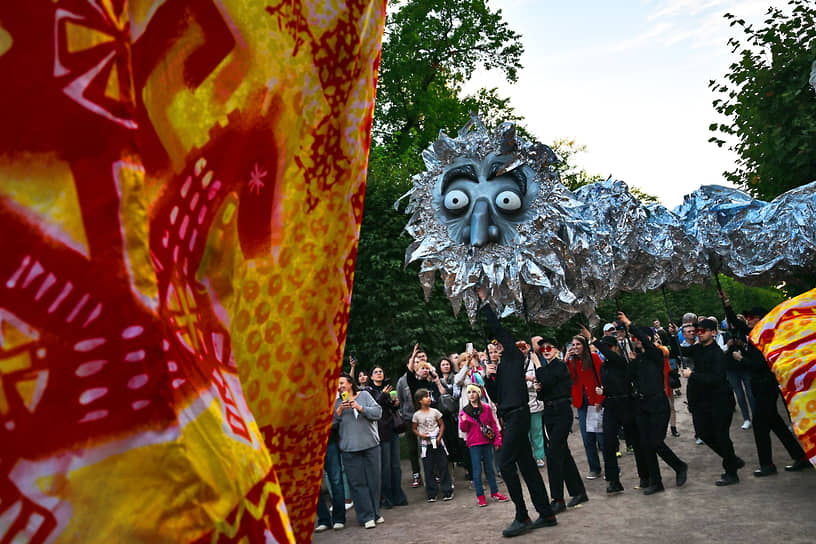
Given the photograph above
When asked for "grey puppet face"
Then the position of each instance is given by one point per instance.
(480, 203)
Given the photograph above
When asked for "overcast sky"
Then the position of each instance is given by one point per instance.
(629, 80)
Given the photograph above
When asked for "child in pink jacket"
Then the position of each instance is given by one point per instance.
(476, 420)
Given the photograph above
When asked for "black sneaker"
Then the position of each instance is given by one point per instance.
(558, 506)
(765, 470)
(652, 489)
(517, 528)
(727, 479)
(577, 499)
(682, 476)
(614, 487)
(542, 521)
(799, 464)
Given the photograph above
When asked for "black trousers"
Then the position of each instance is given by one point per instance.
(621, 414)
(767, 419)
(653, 420)
(713, 423)
(516, 450)
(561, 466)
(436, 462)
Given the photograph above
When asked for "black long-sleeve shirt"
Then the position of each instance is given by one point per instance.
(647, 368)
(507, 387)
(615, 376)
(707, 383)
(555, 381)
(752, 358)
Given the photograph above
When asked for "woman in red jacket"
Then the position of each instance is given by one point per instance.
(584, 367)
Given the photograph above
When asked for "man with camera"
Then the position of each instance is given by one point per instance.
(507, 387)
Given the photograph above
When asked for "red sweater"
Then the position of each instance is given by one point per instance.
(585, 381)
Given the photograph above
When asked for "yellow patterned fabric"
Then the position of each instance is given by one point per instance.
(787, 338)
(181, 189)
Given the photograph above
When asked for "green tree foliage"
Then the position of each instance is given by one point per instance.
(771, 110)
(430, 49)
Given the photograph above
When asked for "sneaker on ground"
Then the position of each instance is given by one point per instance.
(699, 441)
(746, 424)
(431, 499)
(448, 497)
(481, 500)
(416, 481)
(349, 504)
(370, 524)
(338, 526)
(540, 463)
(322, 527)
(498, 497)
(380, 520)
(594, 475)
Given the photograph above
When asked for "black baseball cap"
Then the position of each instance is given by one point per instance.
(756, 311)
(708, 324)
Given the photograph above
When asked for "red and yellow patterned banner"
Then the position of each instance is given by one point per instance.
(787, 337)
(181, 188)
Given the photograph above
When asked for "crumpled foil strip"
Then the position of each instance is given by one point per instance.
(586, 246)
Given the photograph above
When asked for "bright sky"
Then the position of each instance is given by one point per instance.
(629, 80)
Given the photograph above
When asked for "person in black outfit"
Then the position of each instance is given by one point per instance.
(620, 409)
(555, 392)
(710, 398)
(648, 383)
(507, 387)
(766, 393)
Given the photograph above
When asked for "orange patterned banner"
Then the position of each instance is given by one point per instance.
(181, 189)
(787, 337)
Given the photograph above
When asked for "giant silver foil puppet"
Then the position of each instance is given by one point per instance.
(490, 209)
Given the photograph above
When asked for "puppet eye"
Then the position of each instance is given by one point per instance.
(456, 200)
(508, 201)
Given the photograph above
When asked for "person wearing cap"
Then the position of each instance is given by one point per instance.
(555, 394)
(620, 408)
(507, 387)
(766, 393)
(648, 372)
(711, 400)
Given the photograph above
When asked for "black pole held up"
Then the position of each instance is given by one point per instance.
(677, 337)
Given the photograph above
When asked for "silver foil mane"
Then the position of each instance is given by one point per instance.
(580, 248)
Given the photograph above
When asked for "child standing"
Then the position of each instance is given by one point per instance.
(429, 428)
(477, 422)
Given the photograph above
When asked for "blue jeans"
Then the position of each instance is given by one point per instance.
(483, 452)
(592, 441)
(737, 378)
(332, 467)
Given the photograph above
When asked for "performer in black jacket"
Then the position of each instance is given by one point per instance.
(711, 399)
(555, 392)
(648, 383)
(620, 410)
(766, 393)
(507, 386)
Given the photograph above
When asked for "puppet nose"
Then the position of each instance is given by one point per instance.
(480, 224)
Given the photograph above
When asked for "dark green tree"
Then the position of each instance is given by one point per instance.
(770, 107)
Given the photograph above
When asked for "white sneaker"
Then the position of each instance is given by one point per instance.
(380, 520)
(370, 524)
(540, 463)
(699, 441)
(746, 425)
(320, 528)
(338, 526)
(349, 505)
